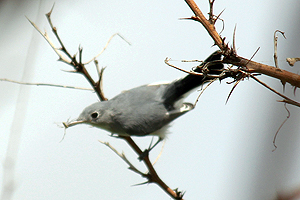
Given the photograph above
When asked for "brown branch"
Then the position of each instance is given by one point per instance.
(286, 99)
(232, 58)
(152, 175)
(207, 25)
(79, 67)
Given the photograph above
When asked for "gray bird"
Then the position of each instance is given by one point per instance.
(148, 109)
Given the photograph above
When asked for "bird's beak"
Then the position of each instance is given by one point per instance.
(73, 123)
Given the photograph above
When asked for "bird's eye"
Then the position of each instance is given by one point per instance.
(94, 115)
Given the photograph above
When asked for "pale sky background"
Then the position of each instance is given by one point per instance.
(216, 151)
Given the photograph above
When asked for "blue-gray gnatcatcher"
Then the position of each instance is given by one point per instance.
(148, 109)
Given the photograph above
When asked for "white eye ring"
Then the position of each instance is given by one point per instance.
(95, 115)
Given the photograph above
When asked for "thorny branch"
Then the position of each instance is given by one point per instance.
(243, 64)
(230, 57)
(79, 67)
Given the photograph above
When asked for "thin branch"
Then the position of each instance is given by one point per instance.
(99, 83)
(211, 13)
(54, 30)
(46, 37)
(286, 99)
(153, 176)
(45, 84)
(275, 136)
(122, 155)
(160, 153)
(233, 42)
(191, 72)
(275, 46)
(190, 60)
(78, 66)
(234, 86)
(202, 90)
(106, 45)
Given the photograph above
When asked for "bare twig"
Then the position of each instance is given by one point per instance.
(106, 45)
(71, 60)
(234, 86)
(191, 60)
(162, 148)
(188, 72)
(211, 13)
(46, 37)
(45, 84)
(286, 99)
(202, 90)
(122, 155)
(275, 46)
(275, 136)
(233, 41)
(191, 72)
(99, 83)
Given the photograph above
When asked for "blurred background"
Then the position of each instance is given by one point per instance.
(216, 151)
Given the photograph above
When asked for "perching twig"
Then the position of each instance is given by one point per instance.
(152, 175)
(79, 67)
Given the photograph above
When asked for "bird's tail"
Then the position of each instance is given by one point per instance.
(177, 89)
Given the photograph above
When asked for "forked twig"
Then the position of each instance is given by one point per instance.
(46, 37)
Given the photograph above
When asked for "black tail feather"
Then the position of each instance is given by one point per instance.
(178, 88)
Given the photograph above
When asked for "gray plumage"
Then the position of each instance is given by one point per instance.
(148, 109)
